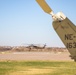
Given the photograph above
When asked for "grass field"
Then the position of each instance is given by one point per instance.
(37, 68)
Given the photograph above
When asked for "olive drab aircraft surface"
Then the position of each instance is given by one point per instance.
(65, 29)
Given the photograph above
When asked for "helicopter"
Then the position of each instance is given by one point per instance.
(65, 29)
(36, 46)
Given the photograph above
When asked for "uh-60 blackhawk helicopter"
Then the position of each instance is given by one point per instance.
(65, 29)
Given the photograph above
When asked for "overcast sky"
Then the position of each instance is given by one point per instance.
(24, 22)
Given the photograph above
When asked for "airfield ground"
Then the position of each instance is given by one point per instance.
(36, 63)
(24, 53)
(50, 56)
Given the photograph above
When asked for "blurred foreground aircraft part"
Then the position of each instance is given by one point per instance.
(65, 29)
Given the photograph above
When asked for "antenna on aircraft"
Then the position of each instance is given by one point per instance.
(56, 17)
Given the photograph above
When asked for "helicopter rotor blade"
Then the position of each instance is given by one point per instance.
(44, 6)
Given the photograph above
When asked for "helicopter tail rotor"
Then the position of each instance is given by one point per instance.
(56, 17)
(44, 6)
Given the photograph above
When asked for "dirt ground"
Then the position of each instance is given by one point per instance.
(28, 56)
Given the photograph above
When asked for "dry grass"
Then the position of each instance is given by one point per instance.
(31, 71)
(37, 68)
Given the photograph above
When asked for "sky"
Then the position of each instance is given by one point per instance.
(24, 22)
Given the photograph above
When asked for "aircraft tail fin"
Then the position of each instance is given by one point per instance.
(67, 32)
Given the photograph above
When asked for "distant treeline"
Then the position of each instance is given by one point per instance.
(27, 49)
